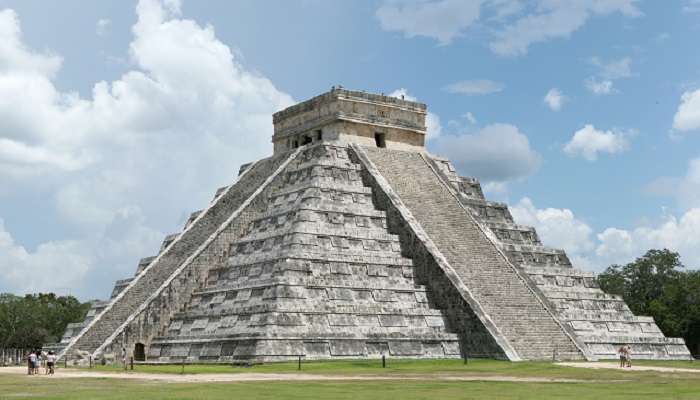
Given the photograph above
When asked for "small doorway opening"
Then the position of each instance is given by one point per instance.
(305, 140)
(379, 139)
(139, 352)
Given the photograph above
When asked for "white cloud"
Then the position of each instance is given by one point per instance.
(556, 227)
(677, 234)
(15, 58)
(687, 116)
(554, 99)
(554, 19)
(600, 87)
(615, 69)
(176, 126)
(55, 265)
(475, 87)
(495, 191)
(512, 25)
(442, 20)
(497, 152)
(560, 228)
(588, 142)
(432, 120)
(608, 72)
(76, 265)
(102, 26)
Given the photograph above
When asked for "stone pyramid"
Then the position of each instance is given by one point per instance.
(352, 241)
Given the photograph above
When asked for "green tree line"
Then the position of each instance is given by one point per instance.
(658, 285)
(30, 321)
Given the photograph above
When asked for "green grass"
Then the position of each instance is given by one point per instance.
(670, 364)
(597, 385)
(407, 367)
(22, 386)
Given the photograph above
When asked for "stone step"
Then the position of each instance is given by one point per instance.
(512, 306)
(123, 307)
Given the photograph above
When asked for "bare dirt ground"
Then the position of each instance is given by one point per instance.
(251, 377)
(616, 365)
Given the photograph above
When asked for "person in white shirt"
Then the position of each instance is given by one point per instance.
(32, 362)
(50, 362)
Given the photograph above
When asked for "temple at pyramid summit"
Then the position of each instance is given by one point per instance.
(352, 241)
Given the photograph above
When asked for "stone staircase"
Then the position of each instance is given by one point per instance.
(178, 248)
(506, 297)
(600, 321)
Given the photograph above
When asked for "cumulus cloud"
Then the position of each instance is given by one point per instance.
(556, 227)
(442, 20)
(432, 120)
(600, 87)
(607, 72)
(687, 117)
(588, 141)
(475, 87)
(156, 142)
(497, 152)
(681, 234)
(615, 69)
(554, 99)
(552, 20)
(55, 265)
(513, 26)
(560, 228)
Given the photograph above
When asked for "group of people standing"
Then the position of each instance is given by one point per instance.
(625, 353)
(38, 359)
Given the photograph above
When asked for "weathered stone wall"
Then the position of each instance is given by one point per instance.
(349, 116)
(104, 328)
(316, 274)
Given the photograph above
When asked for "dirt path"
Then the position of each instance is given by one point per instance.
(615, 365)
(252, 377)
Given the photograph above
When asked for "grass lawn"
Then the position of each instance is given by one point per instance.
(409, 367)
(607, 384)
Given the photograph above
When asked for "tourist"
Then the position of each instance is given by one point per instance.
(623, 357)
(44, 365)
(32, 362)
(628, 353)
(37, 362)
(50, 362)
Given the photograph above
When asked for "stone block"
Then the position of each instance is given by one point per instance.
(348, 348)
(392, 320)
(405, 348)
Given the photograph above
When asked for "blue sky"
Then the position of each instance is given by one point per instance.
(119, 118)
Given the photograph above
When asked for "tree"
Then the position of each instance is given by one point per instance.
(35, 319)
(657, 284)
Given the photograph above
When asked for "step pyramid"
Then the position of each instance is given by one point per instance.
(351, 241)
